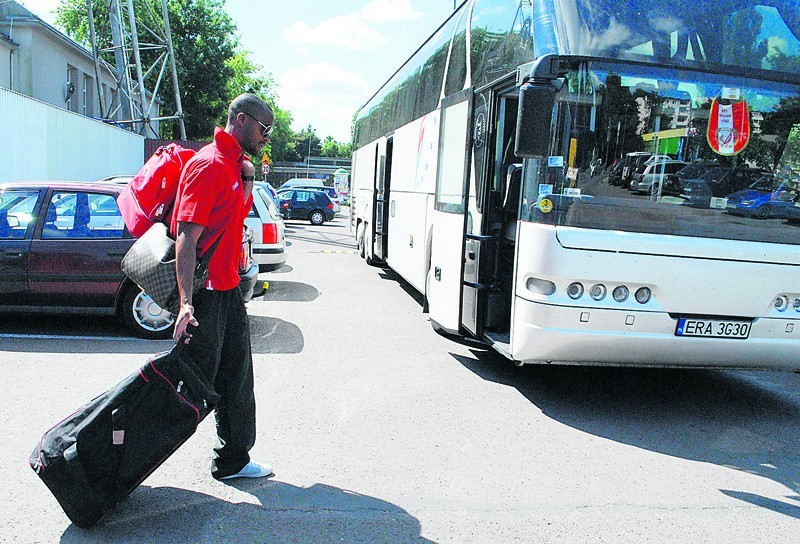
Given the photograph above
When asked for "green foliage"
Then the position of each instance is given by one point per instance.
(307, 143)
(204, 39)
(248, 78)
(760, 152)
(282, 142)
(745, 50)
(203, 35)
(212, 70)
(332, 148)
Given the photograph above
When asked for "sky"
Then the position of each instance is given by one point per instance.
(327, 56)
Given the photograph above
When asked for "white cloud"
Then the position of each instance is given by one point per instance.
(352, 31)
(382, 11)
(323, 95)
(348, 31)
(44, 9)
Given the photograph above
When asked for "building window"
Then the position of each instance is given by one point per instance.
(72, 96)
(87, 101)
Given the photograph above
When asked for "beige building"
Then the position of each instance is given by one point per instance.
(41, 62)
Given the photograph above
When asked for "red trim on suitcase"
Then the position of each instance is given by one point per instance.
(143, 376)
(192, 406)
(39, 448)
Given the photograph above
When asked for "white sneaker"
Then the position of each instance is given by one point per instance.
(251, 470)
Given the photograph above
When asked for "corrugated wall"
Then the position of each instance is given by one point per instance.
(41, 142)
(151, 145)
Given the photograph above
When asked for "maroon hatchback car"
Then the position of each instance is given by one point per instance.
(61, 244)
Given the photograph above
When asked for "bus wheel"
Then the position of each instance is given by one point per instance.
(368, 257)
(360, 239)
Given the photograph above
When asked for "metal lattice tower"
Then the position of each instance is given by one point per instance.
(135, 99)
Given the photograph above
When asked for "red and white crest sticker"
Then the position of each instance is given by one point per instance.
(728, 127)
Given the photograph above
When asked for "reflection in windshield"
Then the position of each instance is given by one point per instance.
(627, 117)
(760, 34)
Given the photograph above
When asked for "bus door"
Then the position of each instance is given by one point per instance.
(492, 218)
(380, 208)
(445, 275)
(473, 288)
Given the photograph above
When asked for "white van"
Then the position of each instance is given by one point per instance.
(304, 182)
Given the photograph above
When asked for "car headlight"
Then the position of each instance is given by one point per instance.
(748, 202)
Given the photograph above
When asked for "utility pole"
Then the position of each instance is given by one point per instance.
(137, 102)
(308, 157)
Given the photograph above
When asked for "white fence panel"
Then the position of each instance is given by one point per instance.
(41, 142)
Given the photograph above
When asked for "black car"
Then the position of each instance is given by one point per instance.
(309, 204)
(718, 182)
(673, 183)
(61, 244)
(615, 174)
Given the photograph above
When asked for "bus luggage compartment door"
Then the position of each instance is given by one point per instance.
(446, 271)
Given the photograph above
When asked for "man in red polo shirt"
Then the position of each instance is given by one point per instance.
(212, 203)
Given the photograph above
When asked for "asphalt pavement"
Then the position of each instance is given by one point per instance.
(380, 430)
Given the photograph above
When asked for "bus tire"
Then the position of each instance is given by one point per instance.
(360, 239)
(368, 256)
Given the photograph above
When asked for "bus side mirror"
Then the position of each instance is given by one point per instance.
(534, 117)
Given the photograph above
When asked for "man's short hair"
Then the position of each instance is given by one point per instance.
(247, 103)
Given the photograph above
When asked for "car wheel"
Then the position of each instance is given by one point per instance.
(316, 217)
(143, 317)
(763, 212)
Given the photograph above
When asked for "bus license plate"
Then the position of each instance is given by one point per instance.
(712, 328)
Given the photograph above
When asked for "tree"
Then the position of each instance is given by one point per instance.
(745, 50)
(248, 78)
(332, 148)
(204, 40)
(306, 140)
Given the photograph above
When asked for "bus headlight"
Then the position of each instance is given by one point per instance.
(575, 290)
(796, 304)
(598, 291)
(542, 287)
(643, 295)
(620, 293)
(782, 303)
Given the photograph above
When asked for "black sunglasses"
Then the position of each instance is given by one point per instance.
(266, 130)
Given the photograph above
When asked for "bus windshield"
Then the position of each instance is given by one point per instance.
(760, 34)
(611, 117)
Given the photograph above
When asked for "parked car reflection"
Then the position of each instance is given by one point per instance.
(766, 197)
(717, 183)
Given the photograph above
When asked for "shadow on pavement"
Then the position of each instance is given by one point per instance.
(390, 275)
(282, 270)
(290, 291)
(730, 419)
(284, 513)
(273, 335)
(267, 335)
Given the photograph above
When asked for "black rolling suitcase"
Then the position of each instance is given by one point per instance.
(98, 455)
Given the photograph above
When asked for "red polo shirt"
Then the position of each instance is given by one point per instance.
(210, 193)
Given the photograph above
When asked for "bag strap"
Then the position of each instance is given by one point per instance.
(203, 263)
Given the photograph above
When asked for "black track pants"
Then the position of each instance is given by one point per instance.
(220, 347)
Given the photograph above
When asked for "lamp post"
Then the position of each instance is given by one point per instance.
(308, 157)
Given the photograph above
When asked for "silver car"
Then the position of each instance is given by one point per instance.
(269, 242)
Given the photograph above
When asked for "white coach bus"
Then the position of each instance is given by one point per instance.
(484, 175)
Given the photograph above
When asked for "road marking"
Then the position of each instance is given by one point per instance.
(70, 337)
